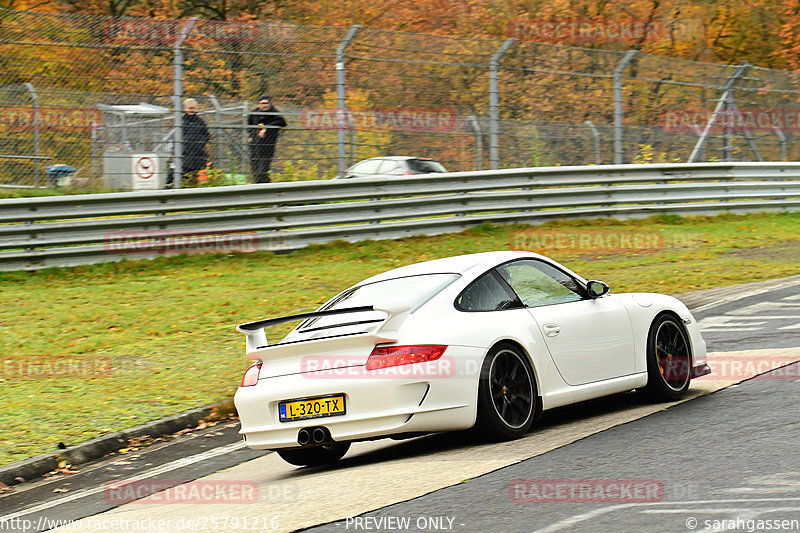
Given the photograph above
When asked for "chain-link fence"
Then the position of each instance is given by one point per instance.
(99, 101)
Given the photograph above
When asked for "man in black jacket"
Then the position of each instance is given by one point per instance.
(195, 137)
(263, 137)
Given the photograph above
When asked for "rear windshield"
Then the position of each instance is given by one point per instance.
(425, 166)
(414, 290)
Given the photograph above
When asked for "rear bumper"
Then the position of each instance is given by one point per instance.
(700, 370)
(428, 397)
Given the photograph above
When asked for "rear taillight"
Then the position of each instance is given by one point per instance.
(250, 377)
(386, 356)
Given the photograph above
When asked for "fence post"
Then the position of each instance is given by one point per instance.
(494, 102)
(596, 137)
(94, 155)
(342, 121)
(36, 147)
(782, 139)
(246, 135)
(732, 110)
(618, 70)
(751, 141)
(727, 90)
(699, 133)
(218, 131)
(476, 127)
(178, 101)
(351, 132)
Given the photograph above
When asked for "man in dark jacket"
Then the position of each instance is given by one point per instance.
(195, 137)
(264, 123)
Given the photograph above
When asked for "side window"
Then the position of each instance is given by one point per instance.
(370, 166)
(486, 294)
(537, 283)
(424, 166)
(390, 167)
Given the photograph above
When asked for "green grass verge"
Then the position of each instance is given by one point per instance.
(165, 328)
(38, 192)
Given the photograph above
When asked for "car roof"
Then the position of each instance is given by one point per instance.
(394, 158)
(459, 264)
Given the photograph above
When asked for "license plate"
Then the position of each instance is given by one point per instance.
(311, 408)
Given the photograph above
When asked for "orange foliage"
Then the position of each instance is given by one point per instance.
(763, 32)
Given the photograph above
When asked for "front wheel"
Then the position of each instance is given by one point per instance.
(506, 394)
(669, 360)
(317, 456)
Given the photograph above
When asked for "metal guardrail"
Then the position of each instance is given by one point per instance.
(84, 229)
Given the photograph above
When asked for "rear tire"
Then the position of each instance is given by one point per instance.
(318, 456)
(506, 394)
(669, 360)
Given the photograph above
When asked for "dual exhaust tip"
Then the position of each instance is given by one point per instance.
(314, 435)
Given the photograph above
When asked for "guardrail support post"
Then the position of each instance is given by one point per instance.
(342, 119)
(177, 98)
(619, 155)
(36, 147)
(494, 102)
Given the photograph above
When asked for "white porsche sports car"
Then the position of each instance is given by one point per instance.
(487, 340)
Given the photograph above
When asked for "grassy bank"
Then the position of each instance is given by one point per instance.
(142, 339)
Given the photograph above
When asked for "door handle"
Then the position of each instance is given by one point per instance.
(551, 330)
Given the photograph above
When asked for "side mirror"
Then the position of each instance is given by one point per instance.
(596, 289)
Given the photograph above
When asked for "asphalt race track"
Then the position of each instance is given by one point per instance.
(726, 461)
(727, 458)
(754, 322)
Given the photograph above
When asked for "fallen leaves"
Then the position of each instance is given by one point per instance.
(63, 468)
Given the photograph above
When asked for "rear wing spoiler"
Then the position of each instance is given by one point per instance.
(257, 338)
